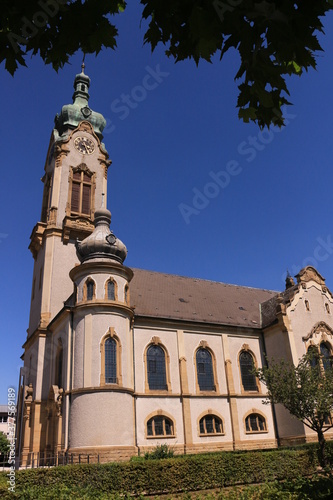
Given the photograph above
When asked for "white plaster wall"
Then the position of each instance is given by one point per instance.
(302, 321)
(35, 305)
(254, 405)
(214, 343)
(64, 259)
(219, 407)
(89, 359)
(277, 345)
(169, 407)
(142, 338)
(100, 279)
(97, 419)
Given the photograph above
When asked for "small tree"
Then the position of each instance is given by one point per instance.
(4, 444)
(305, 390)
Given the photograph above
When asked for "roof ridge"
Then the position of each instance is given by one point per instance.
(207, 280)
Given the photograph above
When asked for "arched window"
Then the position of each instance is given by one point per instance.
(314, 356)
(111, 290)
(205, 370)
(58, 365)
(89, 289)
(126, 294)
(110, 349)
(81, 191)
(156, 369)
(159, 426)
(255, 423)
(111, 359)
(246, 364)
(326, 356)
(210, 424)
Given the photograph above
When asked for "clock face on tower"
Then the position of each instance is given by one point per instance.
(84, 145)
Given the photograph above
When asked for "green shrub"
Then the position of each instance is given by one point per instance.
(161, 451)
(176, 474)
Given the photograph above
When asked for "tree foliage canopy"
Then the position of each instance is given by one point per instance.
(305, 390)
(4, 444)
(274, 38)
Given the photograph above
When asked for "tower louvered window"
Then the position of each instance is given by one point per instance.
(81, 192)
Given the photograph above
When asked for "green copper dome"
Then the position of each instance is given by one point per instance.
(72, 114)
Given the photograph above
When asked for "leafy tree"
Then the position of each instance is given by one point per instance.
(305, 390)
(274, 38)
(4, 444)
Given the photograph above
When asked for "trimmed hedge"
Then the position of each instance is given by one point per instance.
(185, 473)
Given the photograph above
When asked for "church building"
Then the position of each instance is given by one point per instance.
(119, 360)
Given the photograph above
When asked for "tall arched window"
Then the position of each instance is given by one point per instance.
(156, 369)
(314, 356)
(110, 348)
(111, 292)
(205, 370)
(89, 292)
(246, 364)
(326, 356)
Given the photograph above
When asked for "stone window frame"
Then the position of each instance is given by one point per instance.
(111, 334)
(204, 345)
(85, 289)
(258, 414)
(211, 413)
(164, 415)
(82, 167)
(326, 342)
(127, 295)
(157, 341)
(246, 348)
(115, 289)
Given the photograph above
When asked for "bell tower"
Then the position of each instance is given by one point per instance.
(75, 178)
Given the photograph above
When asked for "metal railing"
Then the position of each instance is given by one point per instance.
(47, 459)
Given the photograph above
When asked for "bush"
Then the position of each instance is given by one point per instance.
(185, 473)
(161, 451)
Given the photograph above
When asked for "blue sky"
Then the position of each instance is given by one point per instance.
(257, 204)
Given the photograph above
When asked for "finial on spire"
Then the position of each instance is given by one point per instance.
(83, 65)
(289, 280)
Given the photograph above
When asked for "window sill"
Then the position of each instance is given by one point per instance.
(212, 434)
(161, 437)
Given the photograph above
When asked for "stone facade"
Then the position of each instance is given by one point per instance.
(117, 360)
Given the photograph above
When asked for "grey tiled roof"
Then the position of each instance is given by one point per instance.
(189, 299)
